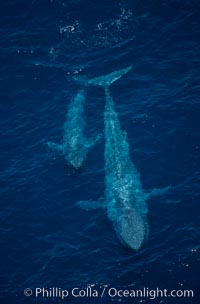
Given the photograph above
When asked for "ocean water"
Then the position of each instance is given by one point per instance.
(46, 239)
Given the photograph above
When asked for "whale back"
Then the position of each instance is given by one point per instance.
(127, 208)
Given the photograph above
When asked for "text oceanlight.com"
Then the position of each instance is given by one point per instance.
(112, 292)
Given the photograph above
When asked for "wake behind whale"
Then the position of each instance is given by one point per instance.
(125, 198)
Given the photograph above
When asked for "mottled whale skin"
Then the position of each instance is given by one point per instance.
(125, 199)
(75, 145)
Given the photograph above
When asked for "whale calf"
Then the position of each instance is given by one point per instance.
(75, 145)
(125, 200)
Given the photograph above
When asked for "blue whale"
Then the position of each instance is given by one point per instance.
(125, 199)
(75, 145)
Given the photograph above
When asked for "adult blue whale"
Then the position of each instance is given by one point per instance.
(125, 199)
(75, 145)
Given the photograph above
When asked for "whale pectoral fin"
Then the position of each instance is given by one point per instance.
(92, 142)
(91, 205)
(55, 146)
(158, 192)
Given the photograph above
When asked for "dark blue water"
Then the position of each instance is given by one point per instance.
(46, 239)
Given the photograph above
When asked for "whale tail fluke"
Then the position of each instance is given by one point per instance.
(108, 79)
(105, 80)
(82, 80)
